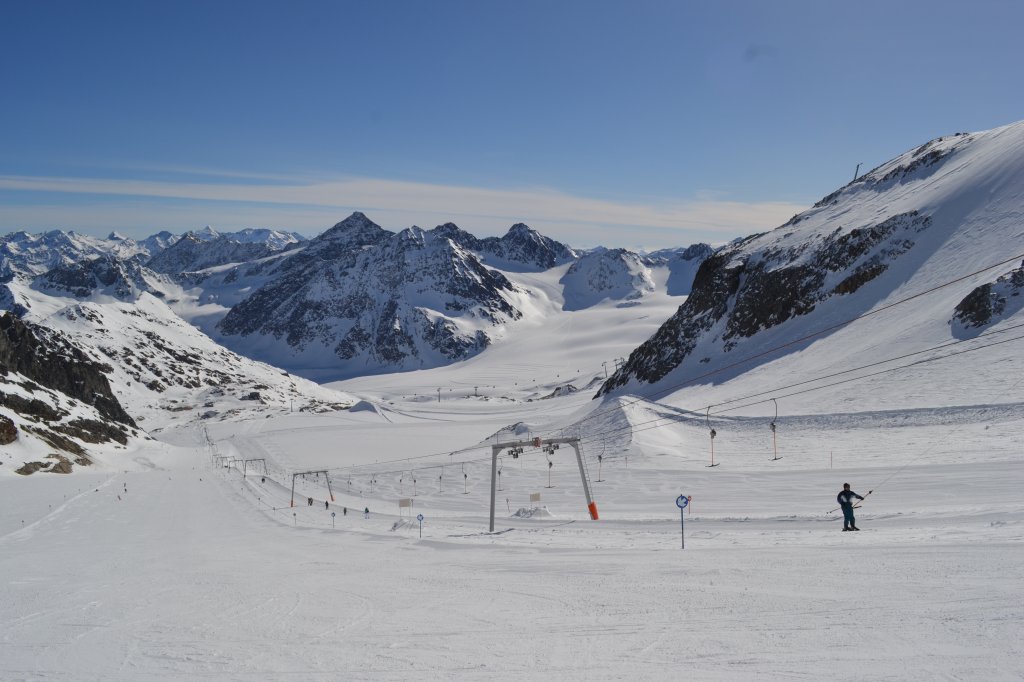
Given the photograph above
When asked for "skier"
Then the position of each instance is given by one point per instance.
(366, 513)
(344, 511)
(845, 500)
(326, 505)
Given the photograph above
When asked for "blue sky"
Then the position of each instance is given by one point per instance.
(641, 124)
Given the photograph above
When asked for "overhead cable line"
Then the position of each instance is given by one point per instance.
(668, 389)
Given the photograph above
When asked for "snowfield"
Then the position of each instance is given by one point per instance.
(165, 565)
(254, 542)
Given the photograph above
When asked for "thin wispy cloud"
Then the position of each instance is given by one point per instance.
(576, 219)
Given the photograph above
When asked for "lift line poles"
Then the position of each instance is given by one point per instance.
(303, 473)
(539, 442)
(245, 465)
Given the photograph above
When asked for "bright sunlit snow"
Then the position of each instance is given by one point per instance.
(267, 539)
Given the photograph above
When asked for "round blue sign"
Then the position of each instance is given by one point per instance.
(332, 513)
(419, 517)
(682, 501)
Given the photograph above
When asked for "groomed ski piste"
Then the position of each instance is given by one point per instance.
(169, 563)
(183, 558)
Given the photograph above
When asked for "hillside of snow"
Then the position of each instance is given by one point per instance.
(865, 274)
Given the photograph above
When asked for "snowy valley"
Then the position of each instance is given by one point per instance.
(280, 411)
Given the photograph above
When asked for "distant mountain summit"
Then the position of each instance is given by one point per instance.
(207, 248)
(106, 274)
(615, 274)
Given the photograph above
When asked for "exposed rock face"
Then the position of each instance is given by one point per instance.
(991, 302)
(8, 431)
(47, 359)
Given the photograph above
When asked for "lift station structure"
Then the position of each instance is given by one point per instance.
(537, 443)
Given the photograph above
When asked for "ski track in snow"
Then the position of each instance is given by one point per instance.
(219, 578)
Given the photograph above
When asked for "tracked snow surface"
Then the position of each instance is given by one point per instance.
(184, 559)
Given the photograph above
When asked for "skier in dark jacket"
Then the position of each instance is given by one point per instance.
(845, 500)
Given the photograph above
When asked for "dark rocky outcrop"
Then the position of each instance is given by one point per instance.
(47, 359)
(8, 431)
(990, 302)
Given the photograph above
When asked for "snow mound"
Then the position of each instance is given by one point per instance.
(366, 406)
(533, 513)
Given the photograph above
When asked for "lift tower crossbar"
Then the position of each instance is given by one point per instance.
(540, 442)
(304, 473)
(245, 465)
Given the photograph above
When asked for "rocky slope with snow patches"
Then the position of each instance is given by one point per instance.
(105, 275)
(927, 216)
(56, 404)
(361, 296)
(989, 304)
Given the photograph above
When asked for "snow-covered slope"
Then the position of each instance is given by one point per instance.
(163, 369)
(614, 274)
(931, 215)
(27, 254)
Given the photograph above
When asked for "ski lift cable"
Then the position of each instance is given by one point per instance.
(668, 420)
(868, 366)
(655, 425)
(811, 335)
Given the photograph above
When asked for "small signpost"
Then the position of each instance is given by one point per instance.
(332, 519)
(419, 517)
(682, 501)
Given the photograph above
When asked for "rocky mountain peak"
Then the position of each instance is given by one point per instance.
(104, 274)
(356, 228)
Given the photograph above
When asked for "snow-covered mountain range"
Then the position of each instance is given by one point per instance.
(357, 298)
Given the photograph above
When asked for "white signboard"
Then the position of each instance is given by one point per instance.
(405, 502)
